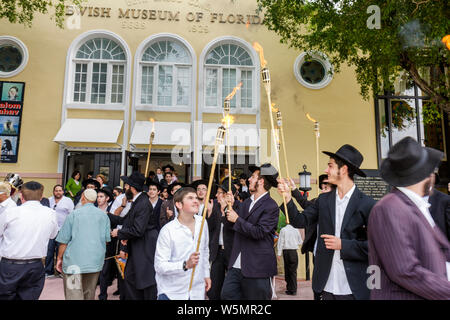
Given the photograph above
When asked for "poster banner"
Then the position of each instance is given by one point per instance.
(11, 106)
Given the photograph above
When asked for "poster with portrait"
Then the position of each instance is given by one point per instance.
(11, 106)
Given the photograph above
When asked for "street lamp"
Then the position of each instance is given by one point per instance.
(305, 179)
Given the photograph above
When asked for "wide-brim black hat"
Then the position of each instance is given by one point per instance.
(351, 156)
(268, 171)
(408, 163)
(196, 183)
(224, 185)
(91, 181)
(108, 192)
(136, 180)
(170, 187)
(150, 182)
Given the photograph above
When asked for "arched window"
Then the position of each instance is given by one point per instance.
(99, 72)
(226, 65)
(166, 75)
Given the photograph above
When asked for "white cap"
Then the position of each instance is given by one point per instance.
(90, 195)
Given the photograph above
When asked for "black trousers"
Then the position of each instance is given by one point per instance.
(106, 278)
(330, 296)
(132, 293)
(218, 271)
(21, 281)
(237, 287)
(290, 258)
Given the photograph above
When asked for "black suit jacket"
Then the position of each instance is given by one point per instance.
(253, 238)
(214, 222)
(354, 252)
(157, 210)
(140, 229)
(440, 211)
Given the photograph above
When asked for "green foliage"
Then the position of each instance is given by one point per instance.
(431, 114)
(23, 11)
(409, 39)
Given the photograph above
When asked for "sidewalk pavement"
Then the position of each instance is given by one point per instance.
(54, 290)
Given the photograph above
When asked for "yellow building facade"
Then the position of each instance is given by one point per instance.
(92, 87)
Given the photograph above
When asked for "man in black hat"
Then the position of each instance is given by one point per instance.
(221, 236)
(410, 253)
(139, 232)
(341, 259)
(253, 262)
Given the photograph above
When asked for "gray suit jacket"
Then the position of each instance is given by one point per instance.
(410, 253)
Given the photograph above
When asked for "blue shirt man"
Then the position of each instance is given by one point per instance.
(83, 239)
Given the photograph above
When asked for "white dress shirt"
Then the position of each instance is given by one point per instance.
(118, 202)
(174, 246)
(201, 207)
(63, 208)
(8, 203)
(337, 280)
(421, 203)
(25, 231)
(289, 239)
(237, 263)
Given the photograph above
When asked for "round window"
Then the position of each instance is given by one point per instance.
(13, 56)
(313, 71)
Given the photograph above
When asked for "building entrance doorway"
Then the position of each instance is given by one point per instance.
(106, 163)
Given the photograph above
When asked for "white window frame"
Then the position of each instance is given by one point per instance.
(138, 106)
(322, 59)
(9, 40)
(255, 78)
(71, 62)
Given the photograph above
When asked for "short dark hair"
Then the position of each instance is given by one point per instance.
(32, 191)
(340, 163)
(120, 190)
(167, 173)
(56, 186)
(267, 184)
(181, 193)
(75, 173)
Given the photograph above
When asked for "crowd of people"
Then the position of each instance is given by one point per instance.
(150, 236)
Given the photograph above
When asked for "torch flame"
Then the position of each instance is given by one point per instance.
(273, 108)
(153, 124)
(260, 50)
(227, 121)
(247, 24)
(310, 118)
(231, 95)
(446, 41)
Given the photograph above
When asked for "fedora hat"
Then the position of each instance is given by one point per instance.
(196, 183)
(408, 163)
(268, 171)
(91, 181)
(107, 191)
(351, 156)
(136, 180)
(224, 185)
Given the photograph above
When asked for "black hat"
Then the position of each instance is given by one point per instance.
(351, 156)
(151, 182)
(322, 177)
(170, 187)
(196, 183)
(91, 181)
(408, 163)
(108, 193)
(268, 171)
(224, 185)
(168, 166)
(136, 180)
